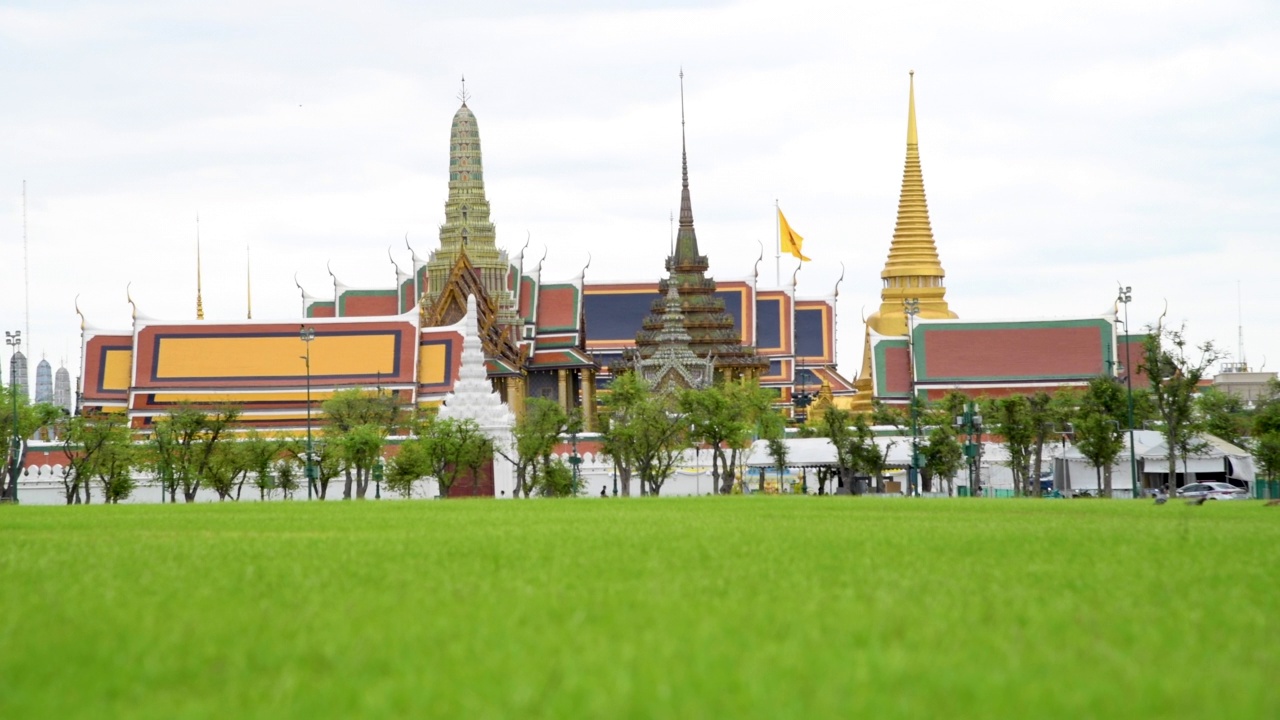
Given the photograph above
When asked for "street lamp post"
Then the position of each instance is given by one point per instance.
(911, 306)
(1126, 294)
(13, 340)
(970, 422)
(307, 334)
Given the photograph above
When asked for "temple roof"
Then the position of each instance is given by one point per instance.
(711, 329)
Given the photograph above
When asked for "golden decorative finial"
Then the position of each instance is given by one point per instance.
(248, 283)
(199, 297)
(77, 304)
(911, 111)
(129, 296)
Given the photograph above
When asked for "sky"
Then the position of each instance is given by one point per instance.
(1067, 148)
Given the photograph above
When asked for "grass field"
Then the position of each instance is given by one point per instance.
(702, 607)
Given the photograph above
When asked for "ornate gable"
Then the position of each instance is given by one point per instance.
(450, 306)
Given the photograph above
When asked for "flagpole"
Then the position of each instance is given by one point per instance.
(777, 236)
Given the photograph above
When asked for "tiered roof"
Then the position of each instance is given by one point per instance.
(711, 329)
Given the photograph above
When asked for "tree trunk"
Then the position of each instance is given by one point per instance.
(346, 488)
(1036, 471)
(1097, 471)
(1106, 481)
(362, 482)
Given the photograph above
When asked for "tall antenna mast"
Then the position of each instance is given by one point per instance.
(26, 267)
(199, 298)
(1244, 365)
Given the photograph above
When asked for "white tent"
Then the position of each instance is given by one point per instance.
(819, 452)
(1151, 454)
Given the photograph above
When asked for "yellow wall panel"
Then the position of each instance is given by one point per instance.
(117, 369)
(432, 363)
(257, 357)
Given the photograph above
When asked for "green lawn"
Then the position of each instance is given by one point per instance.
(705, 607)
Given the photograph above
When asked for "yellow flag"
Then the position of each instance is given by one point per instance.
(790, 241)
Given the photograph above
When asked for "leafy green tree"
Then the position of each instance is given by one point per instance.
(1223, 415)
(31, 418)
(106, 454)
(646, 434)
(183, 447)
(724, 417)
(1266, 432)
(358, 422)
(535, 437)
(943, 457)
(557, 481)
(258, 456)
(773, 428)
(626, 394)
(1011, 419)
(85, 438)
(286, 476)
(1098, 429)
(442, 449)
(1175, 371)
(834, 425)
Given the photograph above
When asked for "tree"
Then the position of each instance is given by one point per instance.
(183, 447)
(1223, 415)
(358, 424)
(1011, 420)
(724, 416)
(442, 449)
(536, 435)
(1266, 432)
(942, 455)
(834, 425)
(1174, 379)
(646, 433)
(31, 418)
(100, 448)
(1097, 427)
(87, 437)
(773, 428)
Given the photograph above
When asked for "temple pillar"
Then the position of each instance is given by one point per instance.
(515, 395)
(563, 376)
(589, 399)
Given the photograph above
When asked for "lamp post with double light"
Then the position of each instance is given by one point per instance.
(14, 341)
(1126, 294)
(307, 334)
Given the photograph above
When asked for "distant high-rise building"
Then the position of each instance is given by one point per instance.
(18, 374)
(62, 390)
(44, 382)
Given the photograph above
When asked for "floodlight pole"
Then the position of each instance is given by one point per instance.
(307, 334)
(13, 340)
(1126, 294)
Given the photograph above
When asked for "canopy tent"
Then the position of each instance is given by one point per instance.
(819, 452)
(1215, 456)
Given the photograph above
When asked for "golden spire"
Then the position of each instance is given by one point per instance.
(912, 271)
(199, 299)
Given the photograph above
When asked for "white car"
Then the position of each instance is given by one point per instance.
(1213, 491)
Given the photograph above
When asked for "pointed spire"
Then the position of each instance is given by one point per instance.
(199, 298)
(913, 257)
(686, 207)
(686, 250)
(911, 110)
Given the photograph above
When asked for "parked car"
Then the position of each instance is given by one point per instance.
(1213, 491)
